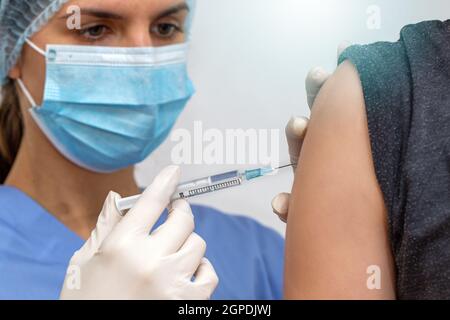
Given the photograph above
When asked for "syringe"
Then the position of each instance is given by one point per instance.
(207, 185)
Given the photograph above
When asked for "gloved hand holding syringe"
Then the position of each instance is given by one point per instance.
(208, 184)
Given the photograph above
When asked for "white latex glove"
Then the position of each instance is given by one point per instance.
(297, 127)
(122, 260)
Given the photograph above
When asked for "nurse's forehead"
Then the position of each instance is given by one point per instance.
(119, 9)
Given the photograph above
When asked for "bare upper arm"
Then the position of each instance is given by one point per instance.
(337, 225)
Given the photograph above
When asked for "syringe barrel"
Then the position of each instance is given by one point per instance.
(192, 188)
(207, 185)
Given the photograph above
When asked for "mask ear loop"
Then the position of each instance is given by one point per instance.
(20, 82)
(26, 93)
(35, 47)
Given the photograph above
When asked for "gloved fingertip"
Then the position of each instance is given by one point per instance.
(109, 200)
(297, 126)
(315, 79)
(111, 205)
(168, 175)
(207, 271)
(163, 186)
(181, 205)
(205, 260)
(280, 204)
(112, 198)
(314, 82)
(114, 195)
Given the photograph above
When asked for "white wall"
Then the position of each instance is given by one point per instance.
(249, 59)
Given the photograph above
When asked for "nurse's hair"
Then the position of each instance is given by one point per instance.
(11, 128)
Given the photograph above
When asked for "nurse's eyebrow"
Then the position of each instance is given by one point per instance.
(173, 10)
(110, 15)
(95, 13)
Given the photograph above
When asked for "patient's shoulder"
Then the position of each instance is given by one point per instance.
(337, 152)
(337, 146)
(340, 104)
(383, 68)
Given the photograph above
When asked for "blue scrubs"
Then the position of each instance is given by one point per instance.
(35, 249)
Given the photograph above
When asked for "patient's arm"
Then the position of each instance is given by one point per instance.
(337, 225)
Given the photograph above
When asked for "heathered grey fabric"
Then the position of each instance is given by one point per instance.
(407, 93)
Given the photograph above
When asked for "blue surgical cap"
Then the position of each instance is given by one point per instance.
(20, 19)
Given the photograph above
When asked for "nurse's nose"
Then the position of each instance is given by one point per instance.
(138, 35)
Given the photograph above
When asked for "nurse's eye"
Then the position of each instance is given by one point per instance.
(166, 30)
(95, 32)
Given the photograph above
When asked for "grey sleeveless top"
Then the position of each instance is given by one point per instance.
(407, 93)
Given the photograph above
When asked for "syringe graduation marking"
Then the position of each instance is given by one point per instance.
(214, 187)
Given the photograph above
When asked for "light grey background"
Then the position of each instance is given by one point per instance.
(249, 59)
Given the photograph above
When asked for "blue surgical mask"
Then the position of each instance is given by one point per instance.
(107, 108)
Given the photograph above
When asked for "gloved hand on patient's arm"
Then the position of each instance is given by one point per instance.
(295, 133)
(297, 127)
(122, 260)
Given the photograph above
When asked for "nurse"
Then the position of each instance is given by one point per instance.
(80, 108)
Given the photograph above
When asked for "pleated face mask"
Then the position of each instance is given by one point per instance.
(109, 108)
